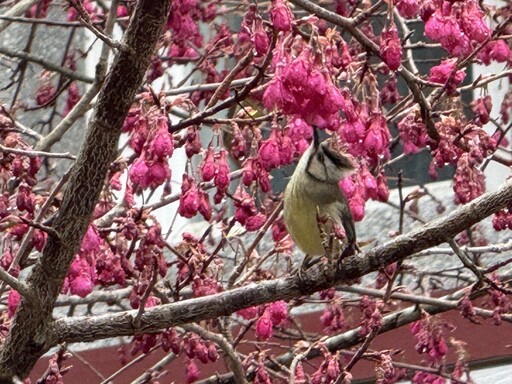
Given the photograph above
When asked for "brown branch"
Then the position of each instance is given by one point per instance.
(225, 303)
(30, 334)
(45, 64)
(30, 153)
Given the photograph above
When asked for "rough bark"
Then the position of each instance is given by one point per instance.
(31, 330)
(86, 329)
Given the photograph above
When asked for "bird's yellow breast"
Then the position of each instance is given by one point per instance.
(300, 217)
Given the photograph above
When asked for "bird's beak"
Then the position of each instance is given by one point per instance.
(316, 139)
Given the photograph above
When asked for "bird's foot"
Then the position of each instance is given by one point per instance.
(306, 264)
(350, 250)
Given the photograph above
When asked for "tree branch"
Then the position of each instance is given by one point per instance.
(30, 335)
(222, 304)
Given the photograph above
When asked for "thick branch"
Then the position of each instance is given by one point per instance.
(30, 335)
(436, 232)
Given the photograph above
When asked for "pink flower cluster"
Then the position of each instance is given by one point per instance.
(372, 315)
(96, 263)
(269, 315)
(193, 199)
(366, 134)
(482, 108)
(215, 167)
(277, 150)
(329, 370)
(458, 26)
(407, 8)
(386, 372)
(500, 301)
(413, 133)
(301, 88)
(469, 181)
(281, 15)
(72, 98)
(91, 10)
(150, 252)
(194, 347)
(246, 212)
(391, 47)
(183, 21)
(333, 319)
(253, 31)
(430, 340)
(254, 171)
(446, 74)
(363, 186)
(152, 143)
(466, 147)
(502, 219)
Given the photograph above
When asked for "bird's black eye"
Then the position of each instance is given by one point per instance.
(320, 157)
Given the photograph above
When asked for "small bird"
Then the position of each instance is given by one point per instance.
(314, 205)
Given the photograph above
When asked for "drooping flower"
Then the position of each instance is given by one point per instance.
(189, 199)
(391, 47)
(446, 73)
(264, 326)
(281, 15)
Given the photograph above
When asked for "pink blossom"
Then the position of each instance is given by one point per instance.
(446, 73)
(427, 378)
(192, 143)
(348, 186)
(279, 231)
(389, 93)
(382, 188)
(413, 133)
(91, 241)
(80, 278)
(495, 50)
(260, 40)
(469, 181)
(376, 141)
(192, 371)
(253, 223)
(407, 8)
(161, 144)
(333, 319)
(300, 88)
(158, 173)
(205, 207)
(264, 326)
(72, 98)
(300, 133)
(189, 199)
(109, 268)
(262, 376)
(208, 167)
(357, 207)
(138, 173)
(13, 300)
(25, 200)
(391, 47)
(248, 313)
(222, 178)
(89, 8)
(472, 22)
(369, 182)
(269, 153)
(482, 108)
(278, 311)
(281, 16)
(204, 286)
